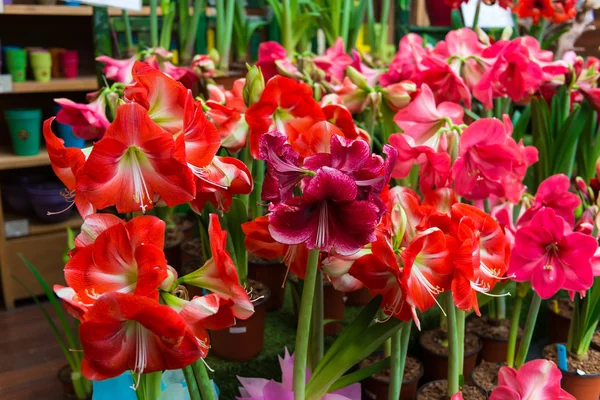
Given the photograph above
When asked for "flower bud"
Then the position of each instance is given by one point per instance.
(397, 95)
(506, 33)
(358, 79)
(285, 68)
(215, 56)
(203, 66)
(169, 283)
(482, 36)
(255, 84)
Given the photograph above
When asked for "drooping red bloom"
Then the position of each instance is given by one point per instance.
(88, 121)
(219, 274)
(549, 254)
(129, 332)
(286, 106)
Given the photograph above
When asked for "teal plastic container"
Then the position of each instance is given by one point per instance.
(25, 127)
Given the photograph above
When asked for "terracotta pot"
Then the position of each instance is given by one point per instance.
(583, 387)
(494, 349)
(558, 327)
(358, 298)
(244, 341)
(272, 274)
(436, 365)
(443, 397)
(376, 388)
(439, 13)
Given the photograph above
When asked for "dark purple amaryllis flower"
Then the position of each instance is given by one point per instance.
(327, 216)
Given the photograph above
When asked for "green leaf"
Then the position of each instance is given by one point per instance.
(471, 114)
(360, 375)
(550, 40)
(357, 21)
(566, 143)
(456, 20)
(521, 123)
(236, 216)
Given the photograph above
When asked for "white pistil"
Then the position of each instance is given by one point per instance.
(493, 273)
(484, 288)
(141, 357)
(139, 184)
(432, 290)
(323, 226)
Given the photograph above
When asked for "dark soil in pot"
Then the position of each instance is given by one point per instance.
(272, 274)
(485, 376)
(191, 250)
(173, 240)
(358, 298)
(376, 386)
(558, 322)
(244, 341)
(435, 354)
(437, 390)
(494, 337)
(585, 386)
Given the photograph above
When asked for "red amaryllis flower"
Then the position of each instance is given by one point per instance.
(286, 106)
(334, 62)
(482, 258)
(163, 97)
(66, 164)
(114, 256)
(219, 274)
(230, 124)
(124, 332)
(553, 193)
(87, 120)
(556, 11)
(117, 70)
(327, 216)
(219, 181)
(550, 255)
(491, 163)
(134, 164)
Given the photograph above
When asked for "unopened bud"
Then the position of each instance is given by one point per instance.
(255, 84)
(358, 79)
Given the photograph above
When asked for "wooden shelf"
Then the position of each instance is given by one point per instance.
(77, 11)
(79, 84)
(36, 227)
(8, 160)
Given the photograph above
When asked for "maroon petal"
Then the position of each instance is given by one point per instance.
(331, 184)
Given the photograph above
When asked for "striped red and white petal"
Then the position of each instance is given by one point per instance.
(201, 138)
(124, 332)
(135, 163)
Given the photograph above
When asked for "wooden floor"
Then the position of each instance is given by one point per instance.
(29, 356)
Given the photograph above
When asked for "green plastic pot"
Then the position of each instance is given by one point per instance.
(16, 63)
(41, 64)
(25, 127)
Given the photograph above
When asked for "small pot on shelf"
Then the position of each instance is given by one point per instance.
(64, 377)
(438, 390)
(272, 274)
(376, 386)
(243, 341)
(583, 387)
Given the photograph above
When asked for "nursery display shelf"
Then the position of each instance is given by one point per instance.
(8, 160)
(81, 83)
(39, 228)
(78, 11)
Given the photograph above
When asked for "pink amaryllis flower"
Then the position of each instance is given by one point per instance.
(535, 380)
(271, 57)
(118, 70)
(334, 62)
(549, 254)
(406, 62)
(262, 389)
(88, 121)
(445, 83)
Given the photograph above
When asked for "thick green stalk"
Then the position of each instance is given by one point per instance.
(225, 32)
(514, 331)
(383, 33)
(167, 27)
(395, 364)
(317, 335)
(203, 381)
(387, 348)
(460, 334)
(453, 361)
(477, 12)
(190, 40)
(192, 386)
(149, 388)
(256, 210)
(534, 309)
(345, 27)
(500, 307)
(286, 28)
(153, 23)
(128, 35)
(304, 318)
(184, 17)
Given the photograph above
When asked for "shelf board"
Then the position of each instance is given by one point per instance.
(77, 11)
(36, 227)
(8, 160)
(82, 83)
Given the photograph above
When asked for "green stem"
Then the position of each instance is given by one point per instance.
(188, 49)
(184, 17)
(514, 331)
(387, 348)
(192, 386)
(460, 335)
(153, 23)
(203, 381)
(256, 210)
(149, 388)
(345, 27)
(534, 309)
(304, 318)
(395, 378)
(224, 40)
(405, 341)
(167, 28)
(128, 35)
(453, 361)
(286, 27)
(477, 11)
(79, 384)
(317, 335)
(384, 29)
(500, 307)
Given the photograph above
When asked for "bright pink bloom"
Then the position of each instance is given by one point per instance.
(271, 56)
(87, 120)
(262, 389)
(535, 380)
(550, 255)
(118, 70)
(460, 43)
(406, 63)
(334, 62)
(371, 74)
(553, 193)
(445, 83)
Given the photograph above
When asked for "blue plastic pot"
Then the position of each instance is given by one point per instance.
(50, 197)
(65, 132)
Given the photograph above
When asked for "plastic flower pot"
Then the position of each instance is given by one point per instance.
(439, 13)
(376, 386)
(65, 132)
(14, 193)
(41, 64)
(437, 390)
(72, 3)
(243, 341)
(16, 64)
(69, 63)
(272, 274)
(49, 201)
(55, 54)
(585, 386)
(64, 377)
(25, 127)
